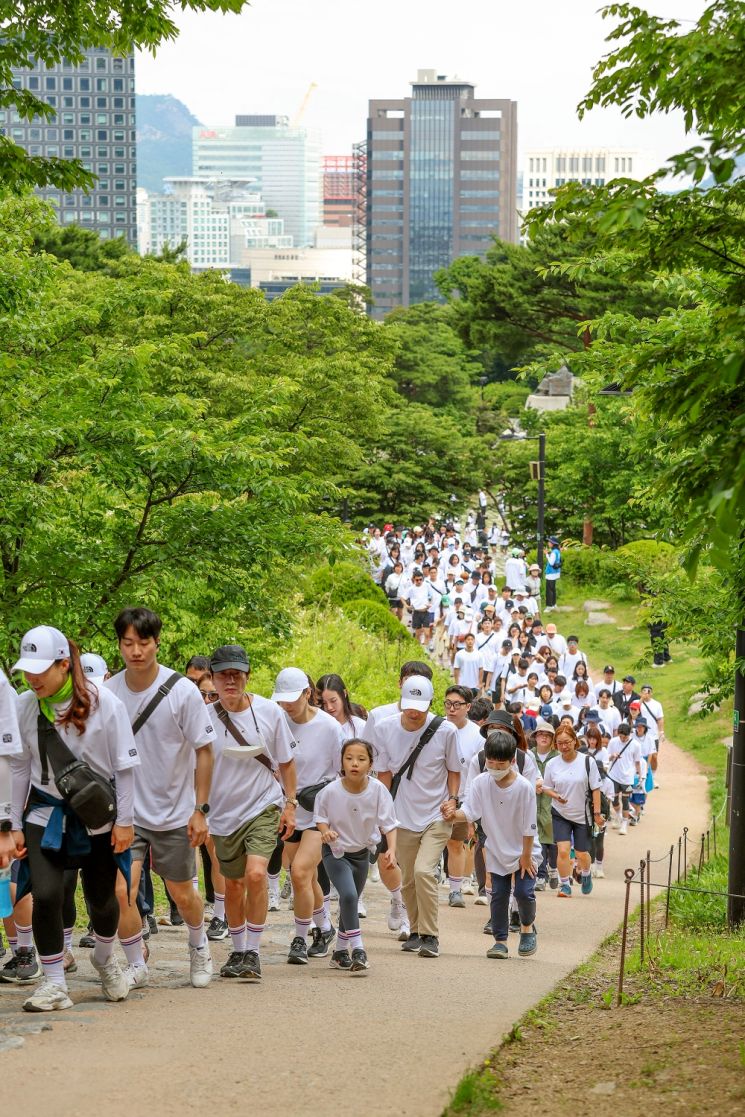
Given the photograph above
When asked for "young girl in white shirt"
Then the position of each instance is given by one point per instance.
(352, 813)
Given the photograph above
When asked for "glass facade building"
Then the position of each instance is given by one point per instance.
(95, 105)
(441, 182)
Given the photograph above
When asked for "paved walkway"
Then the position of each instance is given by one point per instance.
(311, 1040)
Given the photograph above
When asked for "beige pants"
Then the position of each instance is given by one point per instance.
(418, 853)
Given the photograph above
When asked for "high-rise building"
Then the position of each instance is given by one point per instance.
(441, 182)
(283, 161)
(545, 169)
(339, 198)
(95, 105)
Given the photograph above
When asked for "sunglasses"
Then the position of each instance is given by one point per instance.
(209, 695)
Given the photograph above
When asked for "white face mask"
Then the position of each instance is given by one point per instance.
(499, 774)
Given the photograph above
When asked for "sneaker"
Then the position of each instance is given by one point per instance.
(633, 820)
(145, 929)
(528, 943)
(152, 924)
(217, 930)
(413, 944)
(286, 888)
(274, 901)
(482, 900)
(251, 966)
(47, 997)
(599, 872)
(298, 955)
(615, 821)
(361, 910)
(487, 927)
(553, 880)
(468, 888)
(234, 964)
(200, 966)
(322, 940)
(340, 960)
(396, 915)
(455, 900)
(540, 884)
(359, 961)
(28, 968)
(623, 828)
(374, 873)
(88, 940)
(565, 891)
(586, 884)
(404, 930)
(291, 901)
(177, 920)
(499, 950)
(209, 911)
(514, 922)
(69, 963)
(9, 972)
(113, 982)
(430, 947)
(137, 977)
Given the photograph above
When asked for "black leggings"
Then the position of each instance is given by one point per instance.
(349, 874)
(98, 871)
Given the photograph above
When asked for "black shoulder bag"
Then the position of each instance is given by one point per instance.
(589, 806)
(90, 796)
(407, 768)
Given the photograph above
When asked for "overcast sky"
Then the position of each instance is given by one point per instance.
(538, 52)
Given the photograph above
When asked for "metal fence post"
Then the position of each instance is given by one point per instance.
(669, 882)
(629, 876)
(685, 854)
(649, 891)
(642, 867)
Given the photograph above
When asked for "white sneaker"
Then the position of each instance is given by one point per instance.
(598, 872)
(47, 997)
(482, 901)
(200, 970)
(467, 888)
(361, 910)
(137, 977)
(209, 911)
(113, 982)
(274, 901)
(374, 873)
(396, 915)
(623, 828)
(405, 930)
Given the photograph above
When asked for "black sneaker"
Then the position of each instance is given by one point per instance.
(152, 923)
(413, 944)
(28, 965)
(298, 955)
(553, 881)
(145, 929)
(340, 960)
(319, 948)
(515, 921)
(217, 930)
(233, 966)
(487, 927)
(9, 972)
(251, 967)
(430, 947)
(88, 940)
(359, 961)
(177, 919)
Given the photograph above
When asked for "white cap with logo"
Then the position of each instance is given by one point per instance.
(416, 693)
(94, 667)
(40, 648)
(289, 685)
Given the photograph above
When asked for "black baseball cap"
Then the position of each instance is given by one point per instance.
(629, 679)
(229, 657)
(498, 719)
(609, 670)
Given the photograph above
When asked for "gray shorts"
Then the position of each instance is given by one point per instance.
(173, 856)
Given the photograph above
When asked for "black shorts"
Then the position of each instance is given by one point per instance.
(565, 830)
(297, 835)
(419, 619)
(394, 602)
(621, 788)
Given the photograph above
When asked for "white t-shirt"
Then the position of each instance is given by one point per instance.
(353, 728)
(652, 709)
(557, 644)
(378, 713)
(610, 718)
(520, 683)
(623, 769)
(164, 783)
(10, 739)
(243, 788)
(569, 660)
(612, 686)
(107, 746)
(419, 799)
(469, 666)
(646, 743)
(489, 651)
(420, 597)
(508, 814)
(359, 819)
(530, 770)
(514, 572)
(570, 780)
(470, 742)
(317, 755)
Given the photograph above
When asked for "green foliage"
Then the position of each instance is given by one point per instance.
(475, 1094)
(82, 248)
(588, 566)
(695, 911)
(344, 581)
(35, 32)
(372, 616)
(432, 364)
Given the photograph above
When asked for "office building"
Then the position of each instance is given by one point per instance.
(548, 168)
(95, 105)
(339, 197)
(283, 161)
(441, 182)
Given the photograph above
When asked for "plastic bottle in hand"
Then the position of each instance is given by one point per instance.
(6, 904)
(337, 849)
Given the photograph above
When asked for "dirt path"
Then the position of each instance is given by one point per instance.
(311, 1040)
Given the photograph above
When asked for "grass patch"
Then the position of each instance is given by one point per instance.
(475, 1093)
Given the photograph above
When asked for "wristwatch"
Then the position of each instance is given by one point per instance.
(204, 808)
(291, 802)
(6, 826)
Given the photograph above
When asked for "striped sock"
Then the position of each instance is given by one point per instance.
(253, 935)
(195, 883)
(68, 937)
(321, 920)
(354, 938)
(273, 882)
(53, 966)
(238, 936)
(133, 951)
(219, 907)
(104, 948)
(13, 944)
(25, 937)
(302, 926)
(456, 883)
(327, 910)
(197, 935)
(342, 941)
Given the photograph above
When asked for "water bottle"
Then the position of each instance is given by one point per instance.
(337, 850)
(6, 904)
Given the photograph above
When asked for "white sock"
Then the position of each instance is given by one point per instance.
(273, 883)
(302, 926)
(396, 895)
(327, 911)
(25, 937)
(354, 938)
(456, 883)
(53, 966)
(197, 935)
(342, 941)
(133, 951)
(321, 919)
(13, 944)
(238, 935)
(219, 912)
(585, 872)
(598, 864)
(253, 935)
(104, 948)
(195, 883)
(68, 937)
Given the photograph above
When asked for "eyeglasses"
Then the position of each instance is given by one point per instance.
(209, 695)
(454, 705)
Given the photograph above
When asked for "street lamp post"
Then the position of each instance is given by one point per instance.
(540, 476)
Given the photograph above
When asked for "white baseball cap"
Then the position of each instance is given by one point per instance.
(94, 667)
(40, 648)
(416, 693)
(290, 684)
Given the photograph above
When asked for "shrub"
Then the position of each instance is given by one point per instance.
(339, 583)
(646, 556)
(374, 617)
(589, 566)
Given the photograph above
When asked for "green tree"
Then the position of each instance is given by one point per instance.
(432, 364)
(82, 248)
(35, 31)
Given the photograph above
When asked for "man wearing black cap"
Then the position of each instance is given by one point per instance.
(609, 681)
(623, 698)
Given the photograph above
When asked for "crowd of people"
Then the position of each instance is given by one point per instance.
(299, 798)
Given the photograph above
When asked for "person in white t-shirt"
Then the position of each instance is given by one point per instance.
(608, 681)
(249, 806)
(175, 749)
(457, 708)
(467, 665)
(566, 781)
(653, 712)
(624, 762)
(62, 710)
(10, 745)
(569, 659)
(556, 642)
(419, 603)
(515, 570)
(422, 833)
(352, 814)
(610, 715)
(505, 803)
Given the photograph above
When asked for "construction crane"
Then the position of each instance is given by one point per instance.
(297, 119)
